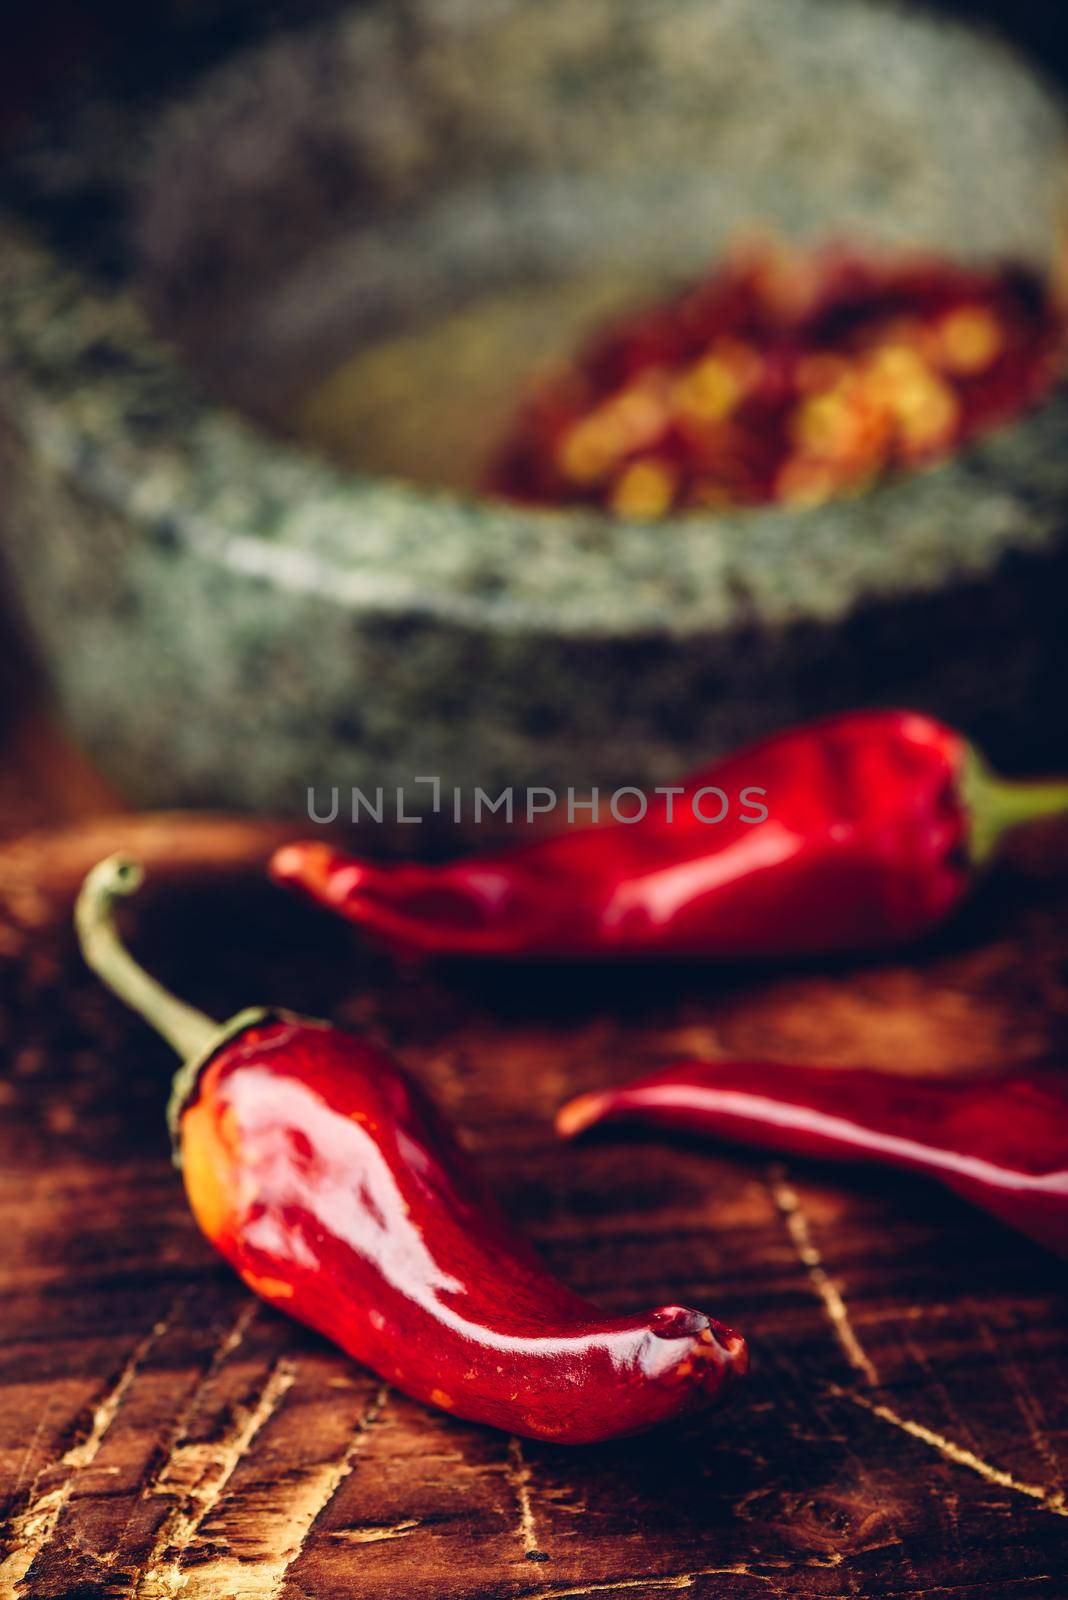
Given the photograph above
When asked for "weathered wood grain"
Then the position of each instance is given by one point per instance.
(162, 1436)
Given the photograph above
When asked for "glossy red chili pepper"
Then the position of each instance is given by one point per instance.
(875, 823)
(1001, 1143)
(329, 1182)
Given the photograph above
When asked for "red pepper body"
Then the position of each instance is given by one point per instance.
(1001, 1143)
(865, 845)
(330, 1183)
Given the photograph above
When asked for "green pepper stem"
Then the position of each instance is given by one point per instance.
(194, 1036)
(995, 805)
(185, 1029)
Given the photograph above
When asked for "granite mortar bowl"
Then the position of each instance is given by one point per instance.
(228, 615)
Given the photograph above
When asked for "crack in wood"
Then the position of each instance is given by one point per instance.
(519, 1476)
(972, 1592)
(1048, 1499)
(32, 1529)
(210, 1468)
(686, 1580)
(935, 1379)
(396, 1530)
(792, 1213)
(285, 1530)
(677, 1581)
(1003, 1354)
(31, 1445)
(935, 1383)
(174, 1470)
(166, 1480)
(320, 1491)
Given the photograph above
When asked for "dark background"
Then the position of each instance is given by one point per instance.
(145, 47)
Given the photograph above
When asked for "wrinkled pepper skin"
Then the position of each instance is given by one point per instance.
(875, 822)
(329, 1182)
(1001, 1143)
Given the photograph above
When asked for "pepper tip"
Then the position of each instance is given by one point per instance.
(309, 865)
(287, 864)
(579, 1114)
(736, 1348)
(710, 1354)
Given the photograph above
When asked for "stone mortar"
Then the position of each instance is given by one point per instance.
(227, 618)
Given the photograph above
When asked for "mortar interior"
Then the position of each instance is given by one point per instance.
(374, 236)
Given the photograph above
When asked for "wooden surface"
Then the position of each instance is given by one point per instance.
(164, 1435)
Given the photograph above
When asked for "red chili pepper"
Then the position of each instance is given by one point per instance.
(876, 822)
(330, 1183)
(1001, 1143)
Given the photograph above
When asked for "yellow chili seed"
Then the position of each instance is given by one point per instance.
(708, 391)
(641, 411)
(644, 489)
(927, 417)
(835, 424)
(890, 367)
(969, 339)
(590, 449)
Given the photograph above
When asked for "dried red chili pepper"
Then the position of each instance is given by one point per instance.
(784, 377)
(876, 823)
(330, 1183)
(1001, 1143)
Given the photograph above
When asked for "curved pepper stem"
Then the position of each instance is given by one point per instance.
(185, 1029)
(194, 1036)
(995, 805)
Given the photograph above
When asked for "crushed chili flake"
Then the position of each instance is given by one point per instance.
(785, 377)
